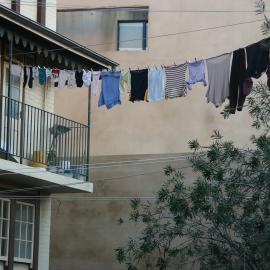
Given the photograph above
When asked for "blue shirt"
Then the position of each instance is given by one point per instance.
(110, 92)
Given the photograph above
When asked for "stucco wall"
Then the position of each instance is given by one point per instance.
(163, 127)
(28, 8)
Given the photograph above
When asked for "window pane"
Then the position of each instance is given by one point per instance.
(5, 209)
(30, 214)
(29, 250)
(18, 211)
(29, 232)
(4, 247)
(5, 228)
(23, 231)
(22, 249)
(17, 230)
(131, 35)
(24, 212)
(16, 248)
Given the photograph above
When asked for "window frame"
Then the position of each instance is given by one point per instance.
(144, 39)
(24, 260)
(5, 258)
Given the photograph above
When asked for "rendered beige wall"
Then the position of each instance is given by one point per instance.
(28, 8)
(165, 127)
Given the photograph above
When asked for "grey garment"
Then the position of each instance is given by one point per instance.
(219, 79)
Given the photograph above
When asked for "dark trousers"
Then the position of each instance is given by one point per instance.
(238, 73)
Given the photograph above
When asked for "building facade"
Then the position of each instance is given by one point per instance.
(131, 143)
(41, 153)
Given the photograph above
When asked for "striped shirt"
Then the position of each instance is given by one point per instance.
(175, 81)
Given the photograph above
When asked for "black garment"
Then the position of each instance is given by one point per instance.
(78, 77)
(139, 84)
(25, 77)
(238, 75)
(31, 78)
(257, 60)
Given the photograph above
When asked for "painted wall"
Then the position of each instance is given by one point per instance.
(143, 128)
(29, 9)
(132, 130)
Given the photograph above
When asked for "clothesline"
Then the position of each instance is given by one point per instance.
(229, 76)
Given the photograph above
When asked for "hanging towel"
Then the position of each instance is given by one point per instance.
(257, 59)
(86, 78)
(79, 79)
(218, 79)
(42, 76)
(125, 82)
(156, 84)
(110, 92)
(196, 73)
(71, 80)
(175, 81)
(16, 70)
(62, 78)
(238, 75)
(55, 77)
(95, 80)
(139, 84)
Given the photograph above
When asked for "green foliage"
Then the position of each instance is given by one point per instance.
(220, 222)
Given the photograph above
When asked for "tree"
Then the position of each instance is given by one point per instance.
(222, 221)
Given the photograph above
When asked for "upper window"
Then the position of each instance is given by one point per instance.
(132, 35)
(4, 225)
(24, 232)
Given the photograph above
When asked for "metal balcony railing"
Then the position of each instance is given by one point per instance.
(29, 134)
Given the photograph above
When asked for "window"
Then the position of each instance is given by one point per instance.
(132, 35)
(4, 228)
(24, 232)
(14, 94)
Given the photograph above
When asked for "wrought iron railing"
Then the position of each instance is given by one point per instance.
(42, 138)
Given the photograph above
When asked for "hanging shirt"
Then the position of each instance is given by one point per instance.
(35, 72)
(139, 84)
(125, 82)
(175, 81)
(218, 79)
(71, 80)
(156, 84)
(16, 70)
(42, 76)
(110, 92)
(196, 73)
(79, 79)
(86, 78)
(95, 80)
(62, 78)
(48, 72)
(257, 60)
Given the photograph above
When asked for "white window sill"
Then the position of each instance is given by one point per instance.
(3, 258)
(20, 260)
(131, 50)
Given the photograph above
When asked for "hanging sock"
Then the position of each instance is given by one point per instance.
(238, 76)
(139, 84)
(196, 71)
(30, 78)
(156, 84)
(218, 79)
(110, 92)
(175, 81)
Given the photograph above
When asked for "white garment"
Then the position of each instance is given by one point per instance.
(35, 72)
(71, 78)
(48, 72)
(62, 78)
(86, 78)
(156, 84)
(16, 70)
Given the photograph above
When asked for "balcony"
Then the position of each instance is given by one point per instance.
(38, 138)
